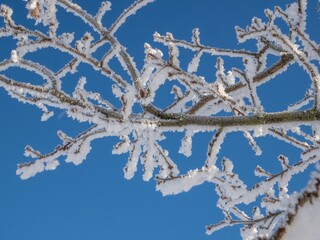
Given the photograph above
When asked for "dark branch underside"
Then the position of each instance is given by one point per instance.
(169, 120)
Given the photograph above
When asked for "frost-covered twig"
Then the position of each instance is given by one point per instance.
(226, 101)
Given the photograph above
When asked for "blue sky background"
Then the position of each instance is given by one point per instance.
(93, 200)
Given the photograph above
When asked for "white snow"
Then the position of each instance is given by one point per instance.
(14, 56)
(32, 4)
(306, 224)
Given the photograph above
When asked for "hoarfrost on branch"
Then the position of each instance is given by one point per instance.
(197, 105)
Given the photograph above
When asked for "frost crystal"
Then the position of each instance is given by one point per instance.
(14, 56)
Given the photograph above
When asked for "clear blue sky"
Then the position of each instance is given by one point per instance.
(93, 200)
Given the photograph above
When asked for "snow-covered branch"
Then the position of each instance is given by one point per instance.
(224, 102)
